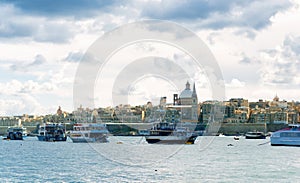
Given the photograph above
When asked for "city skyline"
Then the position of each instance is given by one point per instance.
(42, 45)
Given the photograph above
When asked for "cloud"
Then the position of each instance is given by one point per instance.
(74, 56)
(216, 14)
(15, 25)
(71, 8)
(235, 83)
(248, 60)
(23, 67)
(15, 87)
(281, 65)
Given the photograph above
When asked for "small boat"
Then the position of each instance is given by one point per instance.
(221, 135)
(89, 132)
(255, 135)
(286, 137)
(16, 133)
(168, 133)
(236, 138)
(52, 132)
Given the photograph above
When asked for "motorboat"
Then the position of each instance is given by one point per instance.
(255, 135)
(168, 133)
(89, 133)
(52, 132)
(286, 137)
(236, 138)
(16, 133)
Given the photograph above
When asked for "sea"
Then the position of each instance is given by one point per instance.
(132, 159)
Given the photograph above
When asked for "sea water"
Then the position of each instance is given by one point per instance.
(131, 159)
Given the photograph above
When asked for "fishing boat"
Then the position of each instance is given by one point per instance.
(52, 132)
(168, 133)
(255, 135)
(286, 137)
(16, 133)
(89, 133)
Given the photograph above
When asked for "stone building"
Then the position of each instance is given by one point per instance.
(189, 103)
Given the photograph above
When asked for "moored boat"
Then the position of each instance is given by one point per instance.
(89, 133)
(255, 135)
(286, 137)
(168, 133)
(16, 133)
(52, 132)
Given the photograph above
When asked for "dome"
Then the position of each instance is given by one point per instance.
(187, 93)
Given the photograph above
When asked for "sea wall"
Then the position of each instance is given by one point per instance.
(242, 128)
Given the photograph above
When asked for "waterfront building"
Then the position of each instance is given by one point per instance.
(212, 111)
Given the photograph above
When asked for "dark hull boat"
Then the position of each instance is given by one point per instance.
(167, 133)
(16, 133)
(255, 135)
(52, 133)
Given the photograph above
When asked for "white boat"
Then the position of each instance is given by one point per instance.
(286, 137)
(89, 133)
(168, 133)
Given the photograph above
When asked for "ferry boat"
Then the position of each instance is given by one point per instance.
(255, 135)
(16, 133)
(168, 133)
(89, 133)
(286, 137)
(52, 132)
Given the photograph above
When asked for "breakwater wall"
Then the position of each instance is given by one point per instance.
(124, 129)
(242, 128)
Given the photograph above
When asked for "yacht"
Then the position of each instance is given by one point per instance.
(286, 137)
(52, 132)
(168, 133)
(89, 133)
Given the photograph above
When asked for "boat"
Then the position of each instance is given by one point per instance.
(16, 133)
(255, 135)
(236, 138)
(89, 133)
(52, 132)
(286, 137)
(221, 135)
(168, 133)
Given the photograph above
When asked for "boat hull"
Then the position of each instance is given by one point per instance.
(255, 137)
(51, 139)
(285, 142)
(286, 138)
(14, 136)
(170, 139)
(88, 140)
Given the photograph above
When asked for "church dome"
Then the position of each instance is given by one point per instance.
(187, 93)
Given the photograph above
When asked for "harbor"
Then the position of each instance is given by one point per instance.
(210, 158)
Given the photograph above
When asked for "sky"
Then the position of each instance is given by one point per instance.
(255, 43)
